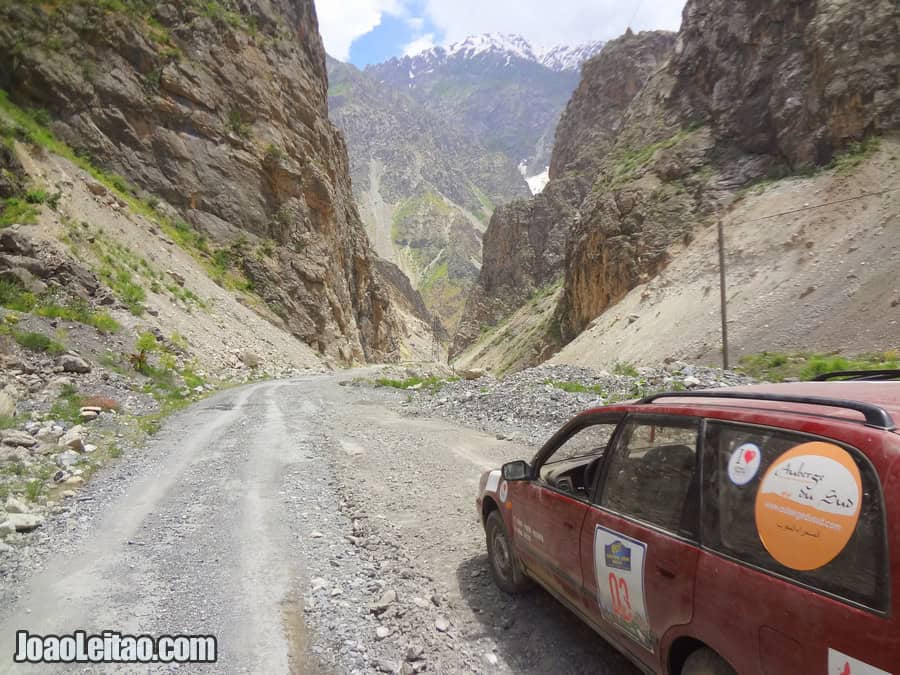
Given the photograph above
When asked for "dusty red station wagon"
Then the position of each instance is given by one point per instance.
(746, 530)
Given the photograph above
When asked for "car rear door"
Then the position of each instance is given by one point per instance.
(797, 577)
(638, 540)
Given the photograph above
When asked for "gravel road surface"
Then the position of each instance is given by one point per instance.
(313, 528)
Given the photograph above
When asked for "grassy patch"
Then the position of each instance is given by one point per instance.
(627, 369)
(7, 422)
(777, 366)
(433, 384)
(577, 387)
(15, 210)
(855, 154)
(631, 161)
(37, 342)
(67, 407)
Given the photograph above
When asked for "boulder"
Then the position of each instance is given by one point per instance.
(14, 505)
(16, 438)
(74, 364)
(7, 405)
(66, 459)
(472, 374)
(6, 528)
(25, 522)
(73, 439)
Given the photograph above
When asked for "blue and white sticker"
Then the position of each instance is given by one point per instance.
(619, 570)
(744, 463)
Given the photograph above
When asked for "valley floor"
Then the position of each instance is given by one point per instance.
(274, 516)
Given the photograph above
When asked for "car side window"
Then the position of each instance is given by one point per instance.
(652, 474)
(572, 466)
(742, 462)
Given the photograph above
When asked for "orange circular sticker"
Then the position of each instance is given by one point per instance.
(808, 505)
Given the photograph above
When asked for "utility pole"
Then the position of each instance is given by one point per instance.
(722, 296)
(435, 340)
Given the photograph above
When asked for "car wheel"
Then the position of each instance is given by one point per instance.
(706, 662)
(505, 567)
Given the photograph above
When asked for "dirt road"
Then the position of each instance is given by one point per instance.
(310, 527)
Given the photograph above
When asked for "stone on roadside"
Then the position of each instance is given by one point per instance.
(76, 481)
(382, 632)
(16, 438)
(74, 364)
(414, 652)
(25, 522)
(66, 459)
(691, 381)
(442, 624)
(7, 405)
(6, 528)
(472, 374)
(14, 505)
(73, 438)
(387, 599)
(48, 435)
(385, 666)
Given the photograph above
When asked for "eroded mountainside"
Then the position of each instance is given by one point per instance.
(218, 110)
(425, 187)
(752, 91)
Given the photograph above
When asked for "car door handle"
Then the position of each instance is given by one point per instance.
(665, 572)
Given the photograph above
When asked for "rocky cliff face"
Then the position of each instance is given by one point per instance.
(220, 110)
(754, 89)
(425, 187)
(525, 245)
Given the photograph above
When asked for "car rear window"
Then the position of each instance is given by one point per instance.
(751, 476)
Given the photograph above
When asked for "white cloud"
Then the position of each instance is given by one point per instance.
(420, 44)
(342, 21)
(551, 23)
(417, 23)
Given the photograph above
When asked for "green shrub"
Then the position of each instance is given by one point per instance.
(625, 369)
(15, 297)
(36, 196)
(37, 342)
(14, 210)
(33, 489)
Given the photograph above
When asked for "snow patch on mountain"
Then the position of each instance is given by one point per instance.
(538, 182)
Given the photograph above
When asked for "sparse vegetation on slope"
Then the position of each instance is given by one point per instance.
(779, 366)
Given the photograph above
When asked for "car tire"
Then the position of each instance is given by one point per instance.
(706, 662)
(505, 566)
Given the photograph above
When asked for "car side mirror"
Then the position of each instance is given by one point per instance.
(518, 470)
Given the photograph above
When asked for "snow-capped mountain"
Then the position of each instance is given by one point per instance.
(505, 91)
(509, 46)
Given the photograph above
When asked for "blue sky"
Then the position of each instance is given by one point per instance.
(371, 31)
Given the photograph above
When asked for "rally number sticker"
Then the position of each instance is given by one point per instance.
(619, 569)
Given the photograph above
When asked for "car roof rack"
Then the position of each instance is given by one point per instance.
(879, 375)
(876, 416)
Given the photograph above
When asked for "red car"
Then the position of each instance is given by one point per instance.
(747, 530)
